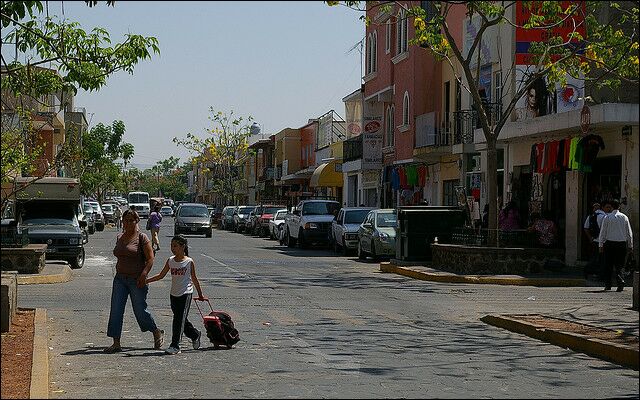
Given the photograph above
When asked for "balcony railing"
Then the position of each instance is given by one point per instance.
(467, 121)
(352, 149)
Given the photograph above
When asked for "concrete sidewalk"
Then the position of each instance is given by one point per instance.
(51, 273)
(429, 274)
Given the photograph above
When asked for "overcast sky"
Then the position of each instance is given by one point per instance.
(280, 62)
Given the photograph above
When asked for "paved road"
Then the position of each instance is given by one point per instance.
(317, 325)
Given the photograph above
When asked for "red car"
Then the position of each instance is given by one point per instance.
(259, 223)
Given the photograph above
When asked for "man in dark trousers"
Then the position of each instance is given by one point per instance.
(592, 225)
(615, 238)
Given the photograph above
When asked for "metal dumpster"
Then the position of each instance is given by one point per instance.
(419, 225)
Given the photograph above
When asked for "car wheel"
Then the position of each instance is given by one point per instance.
(100, 227)
(92, 230)
(301, 242)
(336, 246)
(373, 251)
(361, 254)
(85, 236)
(209, 233)
(290, 241)
(78, 261)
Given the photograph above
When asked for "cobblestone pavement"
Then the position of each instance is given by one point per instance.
(313, 324)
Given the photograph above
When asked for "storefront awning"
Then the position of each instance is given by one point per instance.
(326, 175)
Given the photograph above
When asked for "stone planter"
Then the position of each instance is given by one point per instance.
(475, 260)
(26, 260)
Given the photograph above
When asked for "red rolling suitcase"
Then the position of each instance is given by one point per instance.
(220, 328)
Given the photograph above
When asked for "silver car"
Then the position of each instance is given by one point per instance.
(344, 228)
(192, 218)
(377, 234)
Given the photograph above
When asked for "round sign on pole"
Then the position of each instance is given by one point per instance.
(585, 119)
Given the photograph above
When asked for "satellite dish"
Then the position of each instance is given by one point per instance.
(255, 129)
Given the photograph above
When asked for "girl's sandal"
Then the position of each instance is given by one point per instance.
(157, 342)
(113, 349)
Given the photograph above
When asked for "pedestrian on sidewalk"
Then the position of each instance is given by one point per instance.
(130, 281)
(183, 279)
(117, 215)
(592, 225)
(615, 240)
(154, 225)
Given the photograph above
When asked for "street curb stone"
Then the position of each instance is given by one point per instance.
(478, 279)
(40, 362)
(626, 356)
(32, 279)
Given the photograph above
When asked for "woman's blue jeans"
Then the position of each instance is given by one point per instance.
(123, 287)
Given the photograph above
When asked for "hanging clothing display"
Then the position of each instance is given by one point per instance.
(412, 175)
(403, 178)
(570, 154)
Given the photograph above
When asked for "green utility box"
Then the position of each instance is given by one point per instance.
(418, 226)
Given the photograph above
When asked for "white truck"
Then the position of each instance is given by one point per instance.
(49, 208)
(139, 201)
(309, 222)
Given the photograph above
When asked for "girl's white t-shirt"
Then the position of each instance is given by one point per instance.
(180, 276)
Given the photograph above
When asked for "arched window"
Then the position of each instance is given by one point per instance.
(401, 31)
(387, 37)
(374, 52)
(369, 53)
(405, 109)
(389, 141)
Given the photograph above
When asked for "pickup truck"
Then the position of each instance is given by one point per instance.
(49, 207)
(309, 222)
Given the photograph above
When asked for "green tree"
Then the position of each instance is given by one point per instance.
(102, 145)
(607, 58)
(219, 152)
(77, 59)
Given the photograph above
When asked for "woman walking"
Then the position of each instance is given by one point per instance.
(134, 261)
(154, 223)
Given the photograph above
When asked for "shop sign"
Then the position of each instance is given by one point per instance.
(372, 143)
(370, 179)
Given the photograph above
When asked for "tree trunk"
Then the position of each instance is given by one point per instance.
(492, 189)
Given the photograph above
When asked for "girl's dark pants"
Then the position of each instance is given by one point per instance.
(180, 307)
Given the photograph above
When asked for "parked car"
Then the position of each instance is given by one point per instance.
(109, 213)
(89, 217)
(259, 219)
(241, 216)
(98, 217)
(215, 216)
(166, 211)
(276, 222)
(344, 228)
(310, 221)
(192, 218)
(227, 218)
(377, 234)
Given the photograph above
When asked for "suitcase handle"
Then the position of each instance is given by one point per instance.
(196, 300)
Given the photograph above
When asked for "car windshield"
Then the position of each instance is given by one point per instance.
(193, 211)
(107, 207)
(386, 220)
(355, 216)
(270, 210)
(320, 208)
(228, 211)
(166, 209)
(245, 210)
(280, 215)
(52, 214)
(88, 209)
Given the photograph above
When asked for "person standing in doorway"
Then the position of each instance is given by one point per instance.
(154, 224)
(614, 241)
(592, 226)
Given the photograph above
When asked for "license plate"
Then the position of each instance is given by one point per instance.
(194, 229)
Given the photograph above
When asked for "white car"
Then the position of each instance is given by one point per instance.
(276, 222)
(166, 211)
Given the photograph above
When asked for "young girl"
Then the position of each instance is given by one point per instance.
(183, 278)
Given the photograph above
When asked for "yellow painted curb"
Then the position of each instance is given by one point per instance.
(622, 355)
(34, 279)
(491, 280)
(40, 363)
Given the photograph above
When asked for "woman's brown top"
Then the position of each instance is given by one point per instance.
(130, 254)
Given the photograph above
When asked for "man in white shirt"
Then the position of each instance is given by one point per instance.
(615, 238)
(592, 225)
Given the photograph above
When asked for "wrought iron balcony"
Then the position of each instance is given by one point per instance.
(352, 149)
(465, 122)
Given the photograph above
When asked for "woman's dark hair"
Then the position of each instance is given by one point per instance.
(156, 208)
(131, 212)
(180, 239)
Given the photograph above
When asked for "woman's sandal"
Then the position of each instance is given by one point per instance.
(157, 343)
(113, 349)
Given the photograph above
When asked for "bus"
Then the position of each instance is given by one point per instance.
(139, 201)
